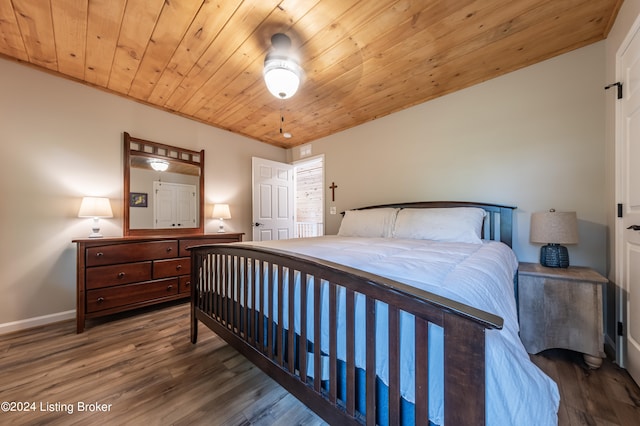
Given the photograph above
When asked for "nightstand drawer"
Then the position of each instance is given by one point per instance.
(132, 252)
(112, 297)
(106, 276)
(171, 268)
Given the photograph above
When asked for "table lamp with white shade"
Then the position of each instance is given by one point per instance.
(95, 207)
(221, 211)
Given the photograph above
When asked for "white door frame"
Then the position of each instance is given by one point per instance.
(319, 157)
(619, 275)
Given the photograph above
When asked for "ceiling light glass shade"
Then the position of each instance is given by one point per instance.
(159, 165)
(282, 75)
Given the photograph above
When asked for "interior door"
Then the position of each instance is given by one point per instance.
(175, 205)
(628, 125)
(273, 194)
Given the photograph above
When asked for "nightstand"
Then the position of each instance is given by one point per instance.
(561, 308)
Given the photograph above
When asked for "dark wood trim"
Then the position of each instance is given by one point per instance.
(126, 156)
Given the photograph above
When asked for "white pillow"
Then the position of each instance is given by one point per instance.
(368, 223)
(455, 224)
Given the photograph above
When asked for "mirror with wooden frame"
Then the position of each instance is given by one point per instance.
(163, 189)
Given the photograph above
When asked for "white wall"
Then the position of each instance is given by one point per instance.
(59, 141)
(533, 138)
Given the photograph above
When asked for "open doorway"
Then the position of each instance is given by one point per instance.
(309, 197)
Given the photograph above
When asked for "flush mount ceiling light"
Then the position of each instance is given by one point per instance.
(282, 72)
(159, 165)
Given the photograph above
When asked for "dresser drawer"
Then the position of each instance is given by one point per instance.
(185, 284)
(171, 267)
(131, 252)
(106, 276)
(185, 244)
(113, 297)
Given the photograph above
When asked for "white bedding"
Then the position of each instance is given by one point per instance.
(480, 275)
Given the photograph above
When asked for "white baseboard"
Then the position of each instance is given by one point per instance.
(37, 321)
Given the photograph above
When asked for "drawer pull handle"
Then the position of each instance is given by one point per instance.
(178, 267)
(100, 300)
(169, 287)
(99, 254)
(121, 274)
(169, 249)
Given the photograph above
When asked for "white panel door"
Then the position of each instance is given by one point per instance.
(163, 206)
(273, 217)
(186, 206)
(174, 205)
(629, 162)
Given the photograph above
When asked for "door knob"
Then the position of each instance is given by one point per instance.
(258, 224)
(634, 227)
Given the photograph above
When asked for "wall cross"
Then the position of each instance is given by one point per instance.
(333, 191)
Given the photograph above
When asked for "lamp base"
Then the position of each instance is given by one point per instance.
(554, 256)
(95, 229)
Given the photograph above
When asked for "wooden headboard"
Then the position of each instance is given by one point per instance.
(503, 215)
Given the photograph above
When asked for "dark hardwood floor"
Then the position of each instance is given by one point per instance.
(143, 369)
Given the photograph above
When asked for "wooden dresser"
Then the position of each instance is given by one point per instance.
(119, 274)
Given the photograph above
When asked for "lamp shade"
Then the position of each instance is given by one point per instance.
(554, 227)
(95, 207)
(221, 211)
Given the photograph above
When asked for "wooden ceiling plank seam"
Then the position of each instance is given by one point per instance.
(216, 82)
(219, 51)
(12, 41)
(138, 22)
(69, 19)
(177, 16)
(204, 30)
(102, 17)
(149, 41)
(36, 28)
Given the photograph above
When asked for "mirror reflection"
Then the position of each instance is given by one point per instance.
(163, 194)
(163, 188)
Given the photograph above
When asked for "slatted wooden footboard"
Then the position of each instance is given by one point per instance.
(240, 292)
(227, 298)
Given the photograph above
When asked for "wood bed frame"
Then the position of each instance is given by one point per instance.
(221, 276)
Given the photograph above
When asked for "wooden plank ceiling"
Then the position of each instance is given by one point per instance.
(362, 59)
